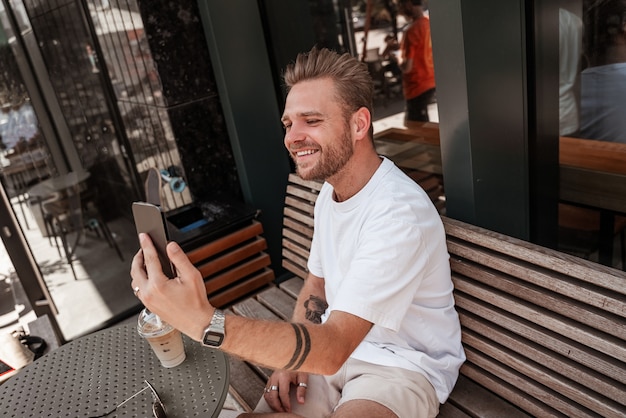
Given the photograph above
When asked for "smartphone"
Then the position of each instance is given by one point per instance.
(150, 219)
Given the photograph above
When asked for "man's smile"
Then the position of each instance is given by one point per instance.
(305, 152)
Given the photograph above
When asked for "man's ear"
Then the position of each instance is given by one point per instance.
(361, 121)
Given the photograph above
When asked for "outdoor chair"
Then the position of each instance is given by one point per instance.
(72, 211)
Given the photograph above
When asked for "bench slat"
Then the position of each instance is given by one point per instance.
(221, 244)
(300, 199)
(449, 410)
(299, 216)
(237, 273)
(592, 154)
(579, 353)
(569, 265)
(251, 308)
(543, 317)
(294, 258)
(304, 241)
(294, 268)
(546, 279)
(475, 327)
(233, 256)
(577, 310)
(467, 392)
(292, 286)
(533, 378)
(508, 391)
(311, 184)
(295, 248)
(245, 385)
(278, 302)
(568, 402)
(298, 227)
(242, 288)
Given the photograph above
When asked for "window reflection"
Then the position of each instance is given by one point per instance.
(603, 81)
(570, 49)
(592, 126)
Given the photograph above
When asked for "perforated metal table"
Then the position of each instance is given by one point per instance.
(93, 374)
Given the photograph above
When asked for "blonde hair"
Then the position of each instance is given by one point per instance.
(354, 87)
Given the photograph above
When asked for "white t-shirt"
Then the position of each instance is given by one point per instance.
(383, 256)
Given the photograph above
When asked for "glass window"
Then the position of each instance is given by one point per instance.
(592, 125)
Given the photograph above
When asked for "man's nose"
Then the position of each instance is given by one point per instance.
(294, 134)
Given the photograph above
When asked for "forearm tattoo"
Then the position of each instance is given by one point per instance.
(303, 347)
(315, 307)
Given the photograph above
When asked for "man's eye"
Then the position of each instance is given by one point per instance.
(312, 121)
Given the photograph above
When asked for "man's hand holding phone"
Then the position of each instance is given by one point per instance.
(150, 219)
(182, 301)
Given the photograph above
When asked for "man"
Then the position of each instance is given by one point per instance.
(418, 71)
(374, 332)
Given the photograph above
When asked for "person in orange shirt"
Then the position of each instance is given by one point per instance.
(418, 72)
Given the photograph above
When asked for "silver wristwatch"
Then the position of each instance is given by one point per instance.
(214, 334)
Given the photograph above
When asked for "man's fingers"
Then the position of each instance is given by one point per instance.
(184, 267)
(285, 400)
(151, 258)
(272, 397)
(137, 270)
(301, 387)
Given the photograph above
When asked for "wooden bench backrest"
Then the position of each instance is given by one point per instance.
(542, 329)
(298, 223)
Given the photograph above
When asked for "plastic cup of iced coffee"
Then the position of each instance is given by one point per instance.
(165, 340)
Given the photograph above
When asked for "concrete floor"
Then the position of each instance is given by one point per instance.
(99, 296)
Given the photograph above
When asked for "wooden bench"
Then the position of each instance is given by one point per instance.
(544, 332)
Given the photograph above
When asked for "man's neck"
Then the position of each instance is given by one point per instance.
(354, 176)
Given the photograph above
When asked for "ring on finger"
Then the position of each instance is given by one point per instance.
(303, 385)
(271, 388)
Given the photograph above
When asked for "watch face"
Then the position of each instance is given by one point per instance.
(213, 338)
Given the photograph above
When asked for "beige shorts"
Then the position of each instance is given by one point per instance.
(407, 393)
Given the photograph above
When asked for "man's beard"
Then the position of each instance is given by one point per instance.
(331, 161)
